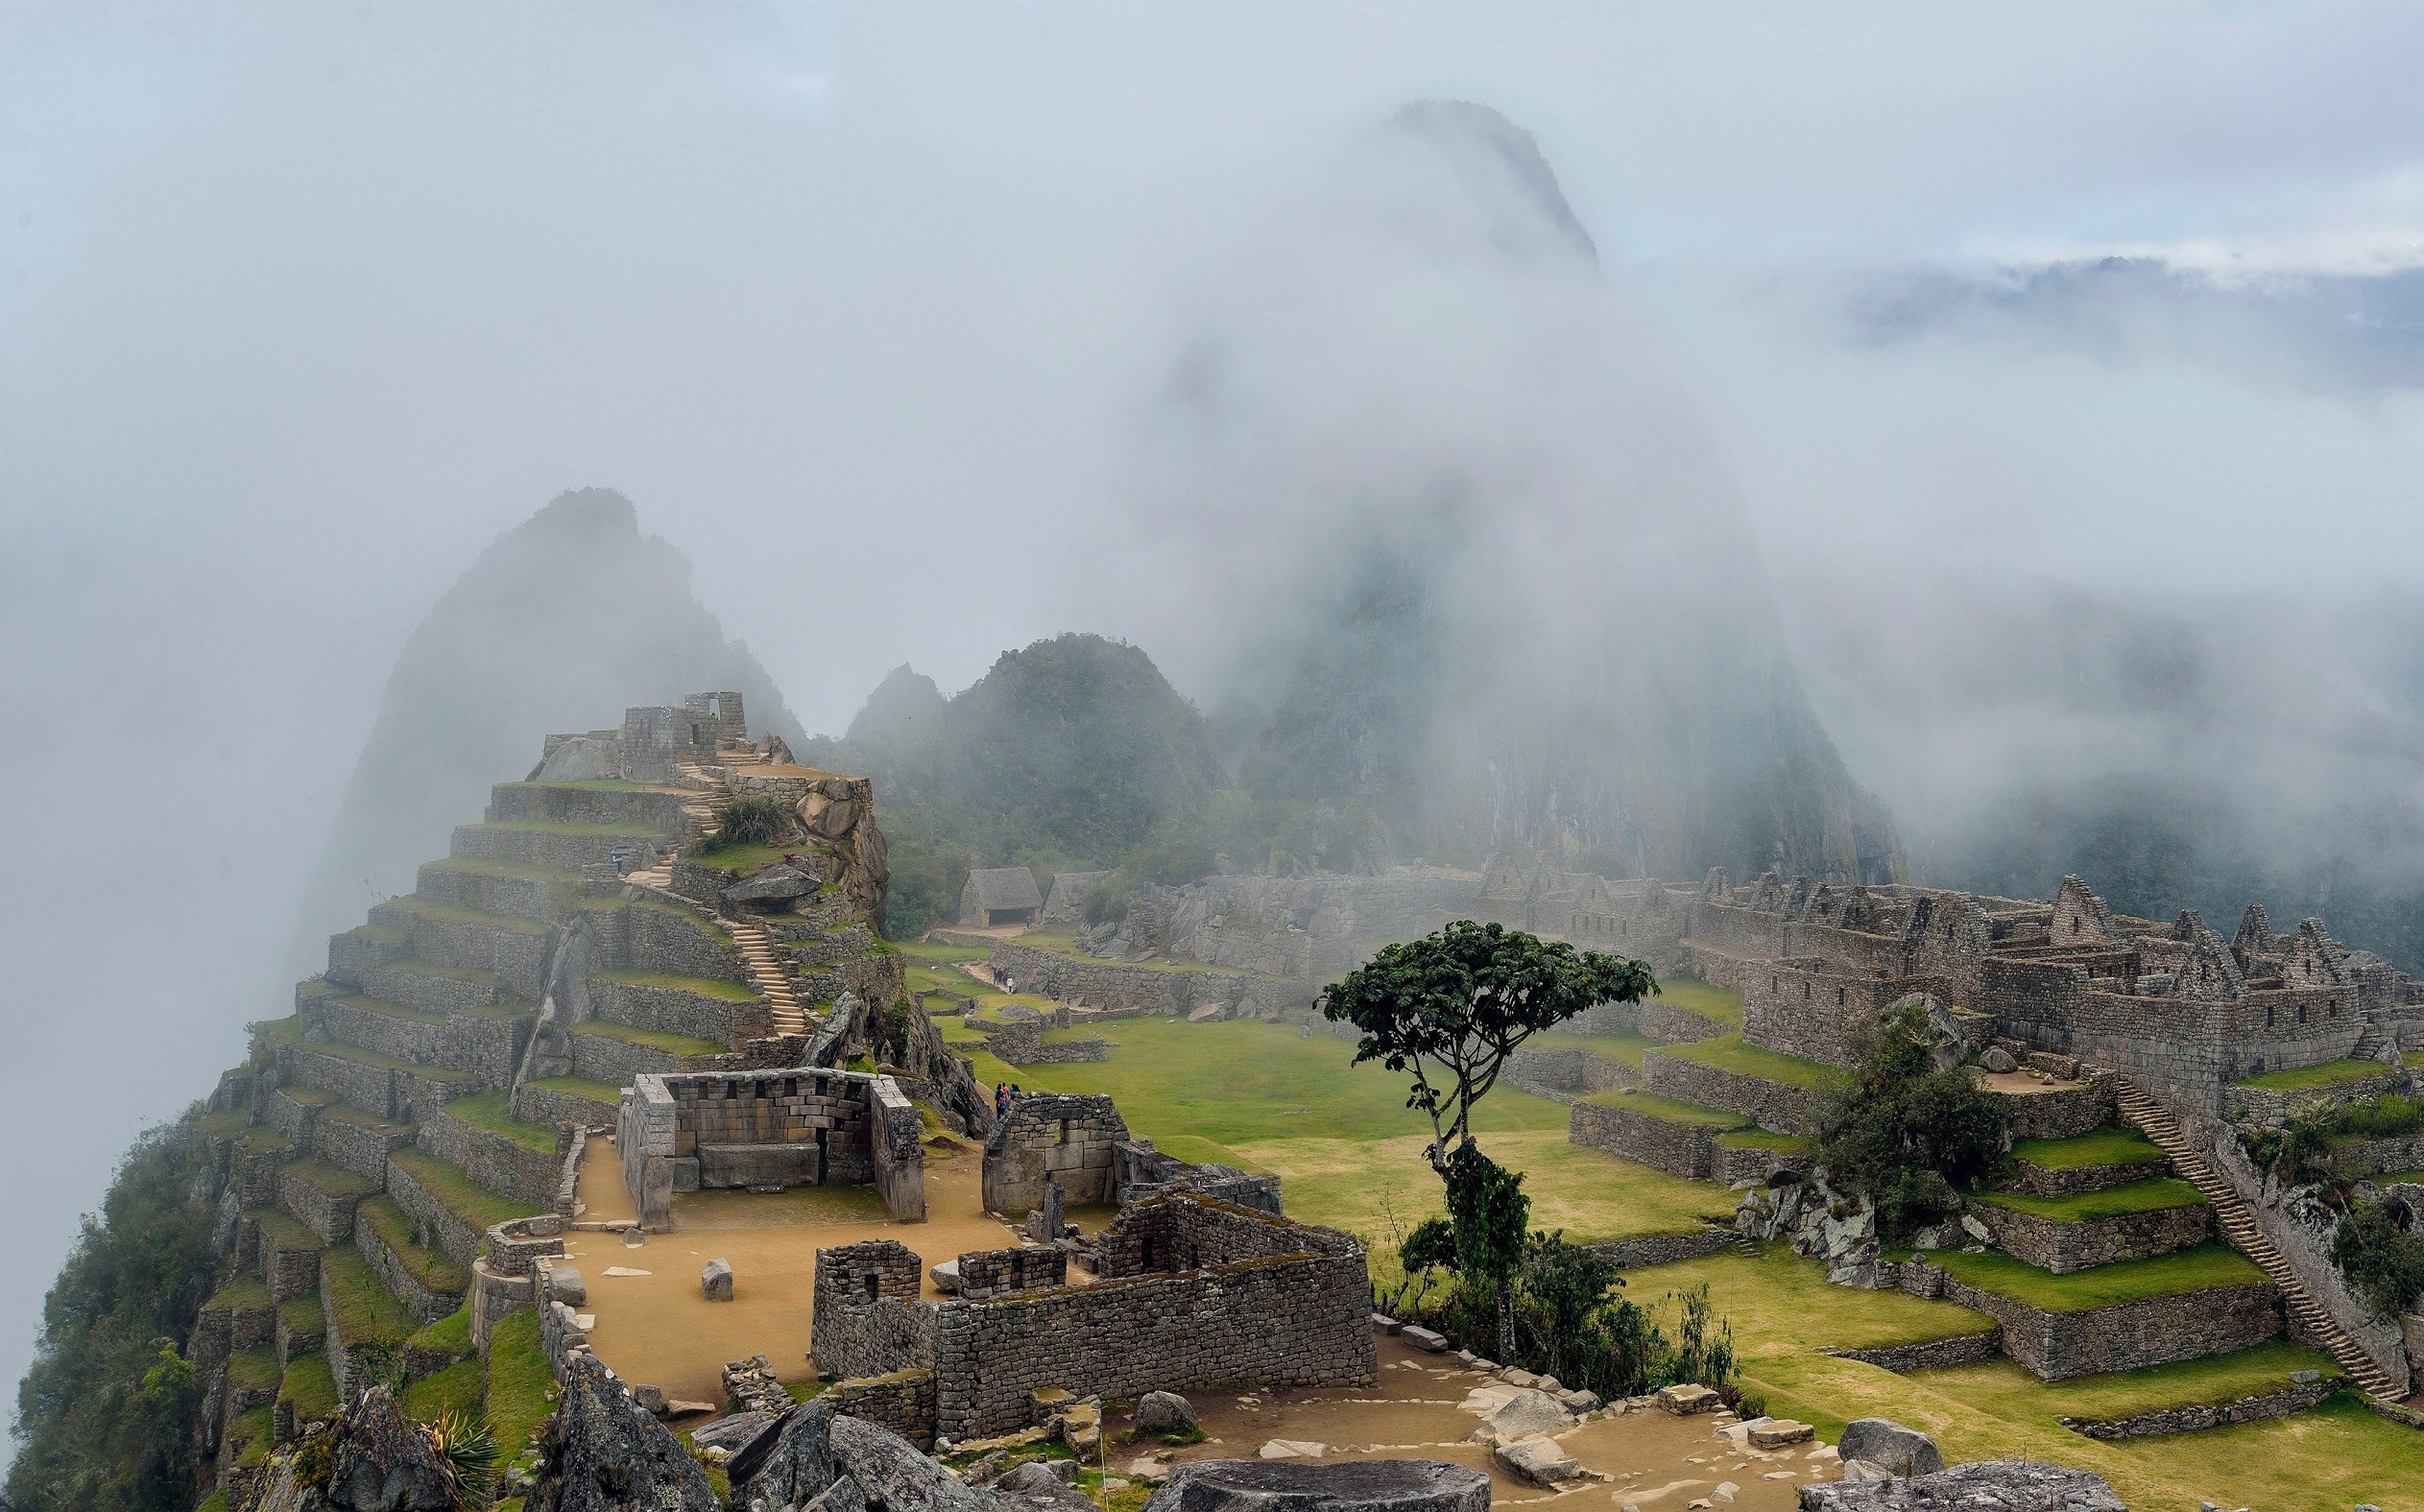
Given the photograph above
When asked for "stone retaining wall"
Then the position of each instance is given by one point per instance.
(2045, 1181)
(2061, 1115)
(904, 1402)
(327, 1214)
(460, 1241)
(2056, 1346)
(2062, 1248)
(1024, 1045)
(2377, 1157)
(1759, 1162)
(493, 1163)
(515, 953)
(604, 1058)
(1655, 1020)
(1679, 1149)
(539, 899)
(396, 1273)
(1109, 984)
(1662, 1249)
(1565, 1075)
(485, 1044)
(1778, 1107)
(2197, 1417)
(288, 1272)
(669, 1010)
(421, 991)
(666, 938)
(1909, 1360)
(534, 1104)
(2273, 1109)
(556, 850)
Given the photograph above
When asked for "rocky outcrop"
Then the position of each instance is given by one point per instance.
(1820, 1223)
(1370, 1485)
(1991, 1485)
(604, 1454)
(813, 1456)
(378, 1461)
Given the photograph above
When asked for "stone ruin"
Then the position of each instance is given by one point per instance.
(765, 1131)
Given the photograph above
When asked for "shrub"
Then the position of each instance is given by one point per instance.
(749, 821)
(2380, 1258)
(1107, 898)
(1906, 1135)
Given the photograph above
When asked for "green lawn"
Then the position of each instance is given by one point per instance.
(744, 860)
(696, 986)
(449, 1336)
(365, 1311)
(1666, 1110)
(651, 1038)
(1761, 1139)
(307, 1096)
(328, 1180)
(431, 910)
(488, 1112)
(936, 951)
(1730, 1054)
(283, 1230)
(1721, 1003)
(254, 1369)
(2098, 1147)
(579, 1087)
(456, 1388)
(252, 1436)
(455, 1191)
(2202, 1269)
(346, 1113)
(595, 784)
(415, 966)
(2145, 1196)
(303, 1316)
(309, 1387)
(520, 1390)
(2313, 1078)
(431, 1267)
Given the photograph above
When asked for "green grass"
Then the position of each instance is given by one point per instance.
(307, 1096)
(431, 910)
(1730, 1054)
(432, 1268)
(2145, 1196)
(1723, 1004)
(669, 911)
(936, 951)
(1067, 945)
(744, 860)
(415, 966)
(1071, 1036)
(1761, 1139)
(511, 871)
(2096, 1147)
(2314, 1078)
(254, 1431)
(288, 1030)
(216, 1502)
(303, 1316)
(1650, 1105)
(365, 1311)
(1624, 1050)
(328, 1180)
(488, 1111)
(2392, 1178)
(380, 1060)
(559, 826)
(254, 1369)
(696, 986)
(346, 1113)
(449, 1336)
(473, 1205)
(388, 1010)
(519, 1387)
(310, 1387)
(230, 1124)
(456, 1388)
(377, 934)
(284, 1231)
(579, 1087)
(2202, 1269)
(651, 1038)
(241, 1295)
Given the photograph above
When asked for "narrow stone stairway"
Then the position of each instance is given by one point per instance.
(758, 949)
(2240, 1228)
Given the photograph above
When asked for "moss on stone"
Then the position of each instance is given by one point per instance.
(2145, 1196)
(491, 1112)
(2204, 1268)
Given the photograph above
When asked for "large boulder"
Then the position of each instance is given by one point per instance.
(1523, 1413)
(1990, 1485)
(1037, 1484)
(1164, 1412)
(605, 1453)
(381, 1462)
(1543, 1461)
(791, 1463)
(895, 1477)
(1883, 1441)
(1366, 1485)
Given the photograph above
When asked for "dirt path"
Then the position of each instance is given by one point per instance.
(657, 1330)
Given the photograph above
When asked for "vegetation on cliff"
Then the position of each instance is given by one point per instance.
(102, 1418)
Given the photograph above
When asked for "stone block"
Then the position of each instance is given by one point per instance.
(715, 1280)
(1370, 1485)
(1685, 1400)
(1542, 1461)
(1883, 1441)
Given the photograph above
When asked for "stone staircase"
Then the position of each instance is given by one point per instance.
(766, 970)
(2240, 1228)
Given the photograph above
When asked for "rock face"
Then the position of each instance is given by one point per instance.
(1035, 1483)
(606, 1455)
(1371, 1485)
(790, 1464)
(1883, 1441)
(1523, 1413)
(1543, 1461)
(812, 1453)
(1820, 1223)
(1165, 1412)
(380, 1462)
(1991, 1485)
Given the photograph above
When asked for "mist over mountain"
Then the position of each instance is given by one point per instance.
(563, 622)
(2175, 751)
(1477, 569)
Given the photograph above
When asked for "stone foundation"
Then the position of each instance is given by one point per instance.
(2197, 1417)
(2062, 1248)
(1909, 1360)
(1777, 1107)
(1679, 1149)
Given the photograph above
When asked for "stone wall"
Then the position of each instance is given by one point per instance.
(904, 1402)
(2377, 1157)
(1024, 1045)
(321, 1198)
(865, 1320)
(2056, 1346)
(665, 938)
(401, 1277)
(1664, 1249)
(460, 1241)
(614, 1062)
(805, 1126)
(1275, 1320)
(485, 1044)
(1052, 1136)
(1811, 1009)
(1777, 1107)
(2273, 1109)
(557, 850)
(1679, 1149)
(2059, 1115)
(535, 1104)
(1909, 1360)
(1158, 990)
(1658, 1021)
(2279, 1403)
(1565, 1075)
(1737, 1163)
(2043, 1181)
(989, 1273)
(492, 1162)
(669, 1010)
(2062, 1248)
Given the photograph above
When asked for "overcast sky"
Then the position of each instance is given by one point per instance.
(299, 308)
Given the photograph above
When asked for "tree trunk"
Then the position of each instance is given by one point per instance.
(1506, 1320)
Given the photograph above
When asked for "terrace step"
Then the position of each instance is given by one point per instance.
(2240, 1228)
(764, 963)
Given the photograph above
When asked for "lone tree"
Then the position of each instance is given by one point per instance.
(1451, 1008)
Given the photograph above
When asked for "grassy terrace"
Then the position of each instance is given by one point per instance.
(415, 966)
(309, 1387)
(2392, 1178)
(1624, 1050)
(1666, 1110)
(651, 1038)
(1067, 945)
(1721, 1003)
(559, 826)
(346, 1113)
(254, 1369)
(1730, 1054)
(365, 1311)
(744, 860)
(936, 951)
(453, 1389)
(2315, 1078)
(333, 1180)
(430, 910)
(476, 1206)
(376, 934)
(301, 1316)
(488, 1111)
(382, 1061)
(2145, 1196)
(590, 784)
(2204, 1268)
(695, 986)
(1761, 1139)
(433, 1268)
(576, 1087)
(241, 1295)
(256, 1433)
(505, 871)
(2097, 1147)
(388, 1010)
(519, 1384)
(669, 911)
(448, 1336)
(280, 1228)
(307, 1096)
